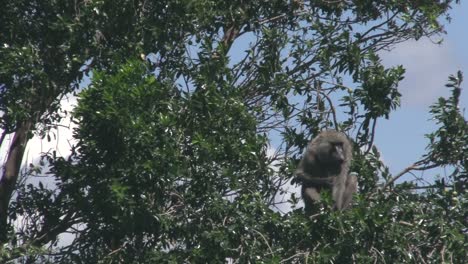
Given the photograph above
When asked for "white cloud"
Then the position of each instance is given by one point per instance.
(428, 66)
(282, 203)
(60, 140)
(288, 189)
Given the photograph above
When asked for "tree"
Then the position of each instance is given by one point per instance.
(171, 160)
(47, 49)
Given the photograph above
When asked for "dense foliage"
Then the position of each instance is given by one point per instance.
(172, 161)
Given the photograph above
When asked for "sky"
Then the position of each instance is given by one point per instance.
(401, 138)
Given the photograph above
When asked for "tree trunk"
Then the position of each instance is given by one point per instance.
(10, 173)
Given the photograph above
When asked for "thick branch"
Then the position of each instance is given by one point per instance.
(11, 171)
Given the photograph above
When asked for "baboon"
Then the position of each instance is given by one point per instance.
(325, 165)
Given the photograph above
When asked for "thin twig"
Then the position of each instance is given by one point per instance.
(332, 109)
(371, 142)
(266, 241)
(414, 166)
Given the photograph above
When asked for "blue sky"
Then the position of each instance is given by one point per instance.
(401, 138)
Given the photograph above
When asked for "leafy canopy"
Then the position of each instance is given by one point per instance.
(173, 158)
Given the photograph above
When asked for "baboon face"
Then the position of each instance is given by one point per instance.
(331, 152)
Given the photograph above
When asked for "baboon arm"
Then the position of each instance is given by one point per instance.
(314, 181)
(351, 188)
(311, 194)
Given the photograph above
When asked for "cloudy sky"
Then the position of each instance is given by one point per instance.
(401, 138)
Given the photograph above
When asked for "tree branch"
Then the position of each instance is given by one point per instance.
(414, 166)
